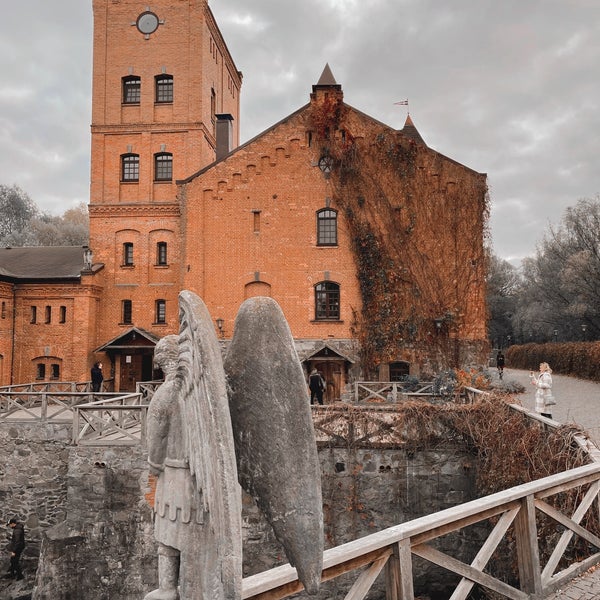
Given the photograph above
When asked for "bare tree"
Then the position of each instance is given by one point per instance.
(16, 208)
(561, 295)
(503, 288)
(22, 223)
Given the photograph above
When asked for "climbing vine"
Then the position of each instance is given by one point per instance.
(417, 223)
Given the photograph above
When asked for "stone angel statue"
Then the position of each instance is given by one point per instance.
(190, 447)
(200, 421)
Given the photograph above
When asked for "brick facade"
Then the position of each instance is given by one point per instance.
(248, 223)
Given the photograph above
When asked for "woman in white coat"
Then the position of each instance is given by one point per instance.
(543, 394)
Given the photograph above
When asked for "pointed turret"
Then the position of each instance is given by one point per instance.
(409, 130)
(326, 84)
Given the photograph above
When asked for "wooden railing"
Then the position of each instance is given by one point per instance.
(41, 406)
(391, 550)
(388, 391)
(115, 421)
(55, 386)
(147, 389)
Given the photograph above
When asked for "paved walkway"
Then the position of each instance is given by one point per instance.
(577, 401)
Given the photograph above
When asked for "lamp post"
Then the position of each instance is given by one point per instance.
(555, 335)
(220, 322)
(583, 330)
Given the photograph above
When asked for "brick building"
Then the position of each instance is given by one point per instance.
(371, 242)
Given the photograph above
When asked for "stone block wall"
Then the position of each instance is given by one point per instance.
(87, 510)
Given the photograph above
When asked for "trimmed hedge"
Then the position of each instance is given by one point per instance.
(580, 359)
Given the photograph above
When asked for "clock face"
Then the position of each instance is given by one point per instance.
(147, 22)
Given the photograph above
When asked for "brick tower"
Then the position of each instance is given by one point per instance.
(161, 76)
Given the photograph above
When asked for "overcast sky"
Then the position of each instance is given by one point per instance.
(506, 87)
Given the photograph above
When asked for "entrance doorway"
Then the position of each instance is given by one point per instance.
(134, 368)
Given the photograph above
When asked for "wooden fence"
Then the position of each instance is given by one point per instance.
(121, 419)
(391, 551)
(115, 421)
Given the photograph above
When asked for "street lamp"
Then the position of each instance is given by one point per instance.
(555, 335)
(220, 322)
(584, 329)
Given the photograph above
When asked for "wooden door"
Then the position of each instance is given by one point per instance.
(332, 372)
(131, 371)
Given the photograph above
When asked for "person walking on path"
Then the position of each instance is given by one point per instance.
(97, 377)
(543, 395)
(500, 361)
(16, 547)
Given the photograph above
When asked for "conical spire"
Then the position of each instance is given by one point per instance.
(326, 84)
(409, 130)
(327, 77)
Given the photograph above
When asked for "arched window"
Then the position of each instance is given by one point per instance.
(327, 227)
(163, 166)
(327, 301)
(164, 88)
(132, 88)
(130, 167)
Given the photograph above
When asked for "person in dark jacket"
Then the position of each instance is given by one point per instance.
(316, 384)
(97, 377)
(16, 547)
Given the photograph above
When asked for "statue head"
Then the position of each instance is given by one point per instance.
(166, 352)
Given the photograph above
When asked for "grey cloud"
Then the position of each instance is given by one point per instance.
(507, 88)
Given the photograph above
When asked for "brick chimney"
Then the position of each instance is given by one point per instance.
(224, 135)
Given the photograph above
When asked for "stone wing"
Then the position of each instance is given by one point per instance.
(209, 439)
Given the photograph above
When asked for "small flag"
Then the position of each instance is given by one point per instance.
(402, 102)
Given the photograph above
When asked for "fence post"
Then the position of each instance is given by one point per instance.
(527, 548)
(75, 425)
(404, 589)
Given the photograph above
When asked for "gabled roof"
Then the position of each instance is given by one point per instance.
(323, 350)
(41, 263)
(134, 337)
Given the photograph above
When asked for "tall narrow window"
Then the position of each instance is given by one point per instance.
(161, 311)
(128, 254)
(126, 312)
(327, 301)
(54, 371)
(41, 371)
(132, 88)
(48, 313)
(130, 167)
(163, 166)
(33, 317)
(62, 315)
(161, 253)
(164, 88)
(327, 227)
(256, 221)
(213, 106)
(3, 315)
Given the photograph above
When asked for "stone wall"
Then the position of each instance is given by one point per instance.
(88, 509)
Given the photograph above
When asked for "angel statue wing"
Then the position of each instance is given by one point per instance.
(210, 448)
(274, 436)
